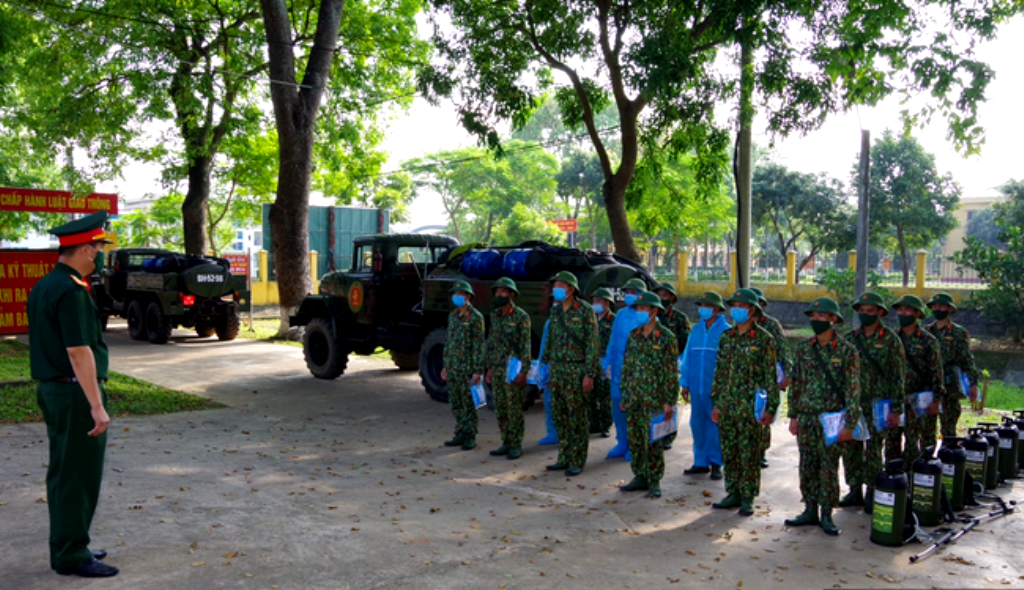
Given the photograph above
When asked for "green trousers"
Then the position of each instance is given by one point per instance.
(75, 472)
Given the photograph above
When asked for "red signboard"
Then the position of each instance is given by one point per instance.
(566, 225)
(239, 264)
(47, 201)
(19, 271)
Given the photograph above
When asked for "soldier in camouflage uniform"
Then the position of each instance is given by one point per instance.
(746, 363)
(650, 386)
(677, 322)
(881, 378)
(575, 363)
(509, 337)
(463, 363)
(924, 373)
(955, 344)
(785, 360)
(601, 398)
(826, 378)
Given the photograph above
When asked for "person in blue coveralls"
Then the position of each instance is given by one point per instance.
(625, 322)
(550, 434)
(698, 371)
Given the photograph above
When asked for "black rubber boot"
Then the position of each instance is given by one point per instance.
(808, 516)
(634, 486)
(827, 525)
(854, 498)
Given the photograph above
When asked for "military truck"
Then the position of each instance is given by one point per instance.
(395, 297)
(159, 290)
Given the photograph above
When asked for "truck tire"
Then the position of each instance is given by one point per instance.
(406, 361)
(431, 363)
(325, 358)
(136, 320)
(158, 326)
(227, 326)
(204, 330)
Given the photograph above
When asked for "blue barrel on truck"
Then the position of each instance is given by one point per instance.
(482, 264)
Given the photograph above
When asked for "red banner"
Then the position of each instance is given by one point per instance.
(566, 225)
(239, 263)
(47, 201)
(19, 271)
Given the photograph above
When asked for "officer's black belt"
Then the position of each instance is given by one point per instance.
(73, 380)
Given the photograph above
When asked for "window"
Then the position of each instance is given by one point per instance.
(364, 259)
(257, 238)
(415, 254)
(240, 235)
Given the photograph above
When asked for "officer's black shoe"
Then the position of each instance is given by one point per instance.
(99, 554)
(730, 501)
(696, 470)
(854, 498)
(457, 441)
(716, 471)
(514, 454)
(90, 569)
(635, 485)
(573, 471)
(500, 451)
(666, 445)
(469, 444)
(654, 490)
(605, 434)
(558, 466)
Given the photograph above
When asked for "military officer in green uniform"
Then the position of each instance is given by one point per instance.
(881, 378)
(745, 370)
(677, 322)
(924, 374)
(509, 337)
(69, 360)
(650, 386)
(603, 303)
(826, 378)
(955, 344)
(574, 363)
(463, 363)
(785, 359)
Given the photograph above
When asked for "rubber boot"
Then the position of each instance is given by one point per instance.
(635, 485)
(716, 471)
(730, 501)
(747, 507)
(654, 489)
(514, 454)
(827, 524)
(854, 498)
(619, 419)
(551, 438)
(808, 516)
(869, 500)
(502, 450)
(469, 444)
(457, 441)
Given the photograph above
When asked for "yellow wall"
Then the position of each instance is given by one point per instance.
(265, 292)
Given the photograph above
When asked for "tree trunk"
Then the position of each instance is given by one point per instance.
(903, 255)
(618, 222)
(193, 210)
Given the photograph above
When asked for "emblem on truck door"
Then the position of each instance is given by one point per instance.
(355, 297)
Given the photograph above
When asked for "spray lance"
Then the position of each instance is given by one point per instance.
(950, 536)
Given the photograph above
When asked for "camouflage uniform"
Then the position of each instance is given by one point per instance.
(509, 337)
(463, 358)
(572, 354)
(924, 373)
(601, 396)
(650, 381)
(882, 365)
(955, 346)
(813, 393)
(746, 362)
(774, 328)
(677, 322)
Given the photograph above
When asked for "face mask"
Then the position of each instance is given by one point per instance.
(907, 320)
(940, 315)
(99, 260)
(598, 308)
(500, 302)
(559, 293)
(459, 300)
(739, 314)
(820, 326)
(630, 299)
(642, 317)
(867, 319)
(706, 313)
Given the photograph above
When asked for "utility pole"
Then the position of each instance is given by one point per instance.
(863, 211)
(744, 167)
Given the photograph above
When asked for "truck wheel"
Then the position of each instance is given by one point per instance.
(136, 321)
(431, 363)
(325, 357)
(204, 330)
(227, 326)
(406, 361)
(158, 326)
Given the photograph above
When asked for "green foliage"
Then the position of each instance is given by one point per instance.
(524, 224)
(841, 284)
(982, 225)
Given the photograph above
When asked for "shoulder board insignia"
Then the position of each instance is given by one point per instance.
(79, 282)
(836, 360)
(754, 349)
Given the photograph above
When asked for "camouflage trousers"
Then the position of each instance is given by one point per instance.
(508, 407)
(894, 444)
(742, 439)
(862, 460)
(819, 465)
(648, 459)
(461, 402)
(766, 440)
(951, 410)
(601, 406)
(920, 434)
(569, 409)
(670, 439)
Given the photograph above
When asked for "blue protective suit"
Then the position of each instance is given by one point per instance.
(625, 322)
(551, 435)
(698, 371)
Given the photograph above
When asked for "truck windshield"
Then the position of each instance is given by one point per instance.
(363, 259)
(415, 255)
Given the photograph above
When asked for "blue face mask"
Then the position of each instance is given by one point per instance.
(642, 317)
(630, 299)
(598, 308)
(459, 300)
(559, 293)
(739, 314)
(706, 313)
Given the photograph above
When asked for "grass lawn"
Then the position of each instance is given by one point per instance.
(126, 396)
(264, 329)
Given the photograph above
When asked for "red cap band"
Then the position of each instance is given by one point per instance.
(83, 238)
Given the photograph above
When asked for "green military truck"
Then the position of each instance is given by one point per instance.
(395, 296)
(159, 290)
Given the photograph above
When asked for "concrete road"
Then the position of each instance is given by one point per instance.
(306, 484)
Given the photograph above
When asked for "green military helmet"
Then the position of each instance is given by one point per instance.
(605, 294)
(711, 298)
(648, 298)
(636, 283)
(87, 230)
(825, 305)
(943, 298)
(869, 298)
(746, 296)
(760, 296)
(668, 287)
(913, 302)
(462, 286)
(568, 278)
(506, 283)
